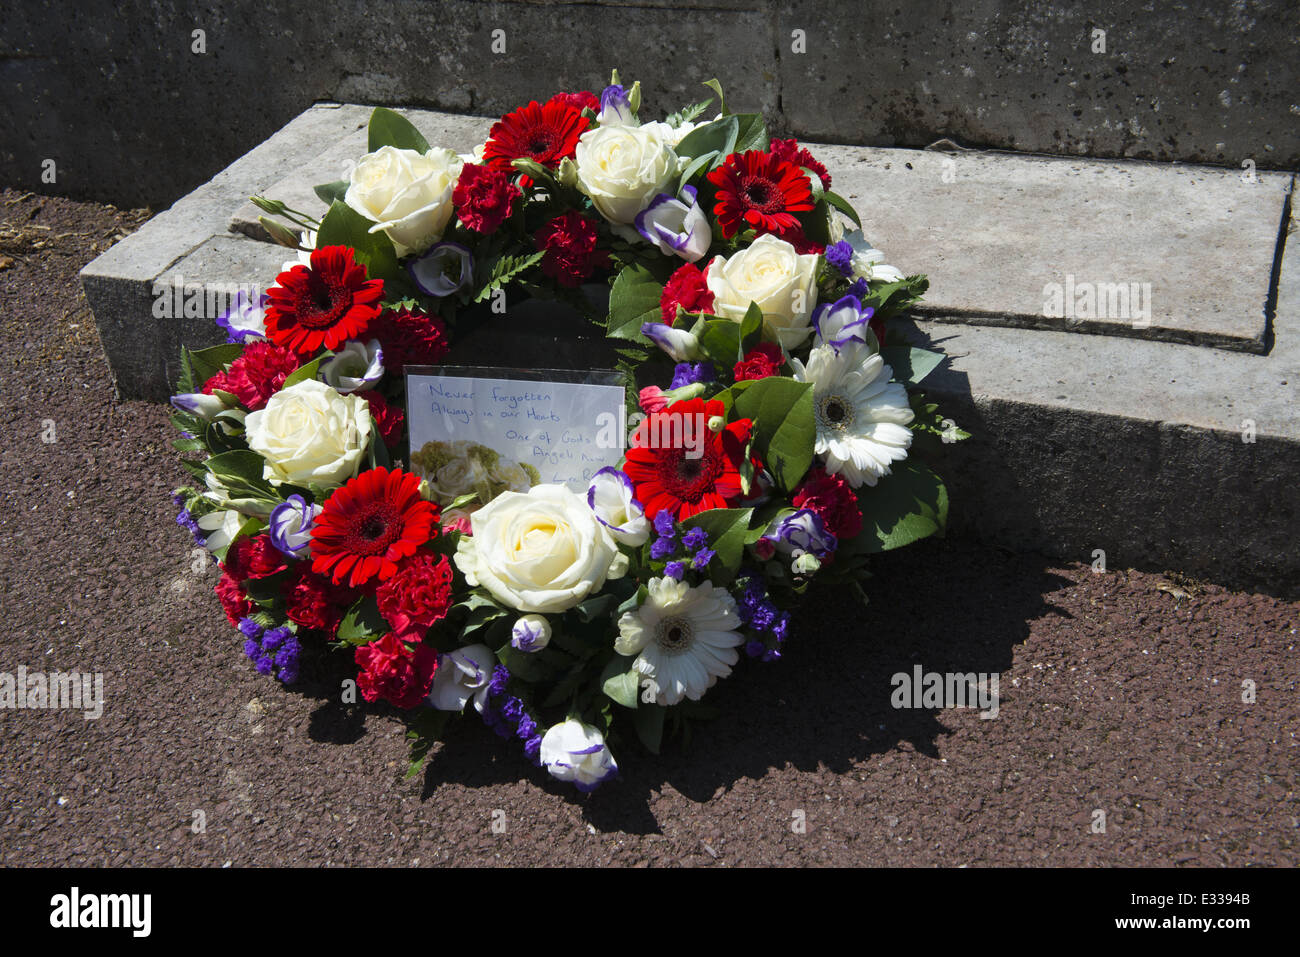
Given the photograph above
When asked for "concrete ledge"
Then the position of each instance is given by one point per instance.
(1090, 435)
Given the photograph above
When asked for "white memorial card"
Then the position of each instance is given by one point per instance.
(493, 430)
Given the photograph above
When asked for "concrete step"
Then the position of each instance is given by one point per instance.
(1125, 336)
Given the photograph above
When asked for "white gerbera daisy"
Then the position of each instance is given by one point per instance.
(685, 638)
(861, 416)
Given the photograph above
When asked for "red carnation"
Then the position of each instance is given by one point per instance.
(761, 191)
(324, 306)
(545, 134)
(313, 601)
(484, 197)
(570, 245)
(686, 288)
(256, 375)
(418, 595)
(833, 501)
(397, 674)
(672, 476)
(791, 152)
(763, 360)
(369, 525)
(409, 337)
(253, 557)
(388, 419)
(579, 101)
(234, 600)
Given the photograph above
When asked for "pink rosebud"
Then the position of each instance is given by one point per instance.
(457, 520)
(652, 399)
(764, 548)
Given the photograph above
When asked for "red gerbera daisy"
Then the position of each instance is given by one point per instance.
(369, 525)
(759, 190)
(667, 472)
(546, 134)
(324, 306)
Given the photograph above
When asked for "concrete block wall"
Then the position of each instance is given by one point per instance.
(127, 110)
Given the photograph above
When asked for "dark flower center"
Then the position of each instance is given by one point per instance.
(323, 304)
(761, 194)
(674, 635)
(374, 530)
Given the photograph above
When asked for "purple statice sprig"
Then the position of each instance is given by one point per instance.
(186, 520)
(767, 623)
(272, 650)
(507, 715)
(689, 373)
(840, 256)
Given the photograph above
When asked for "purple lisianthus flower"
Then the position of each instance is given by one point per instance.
(799, 533)
(840, 256)
(842, 322)
(445, 269)
(615, 107)
(675, 570)
(677, 227)
(688, 373)
(291, 524)
(246, 317)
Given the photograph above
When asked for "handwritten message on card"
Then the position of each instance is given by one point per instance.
(552, 431)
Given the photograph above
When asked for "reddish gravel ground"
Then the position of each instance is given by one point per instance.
(1121, 691)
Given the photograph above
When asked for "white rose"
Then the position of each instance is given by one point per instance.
(573, 751)
(308, 433)
(539, 551)
(622, 168)
(406, 194)
(770, 273)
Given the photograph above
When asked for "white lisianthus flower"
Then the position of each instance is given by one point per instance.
(573, 751)
(868, 262)
(685, 638)
(622, 168)
(861, 417)
(309, 433)
(531, 633)
(539, 551)
(200, 404)
(770, 273)
(356, 367)
(406, 194)
(290, 526)
(246, 317)
(681, 345)
(462, 674)
(678, 227)
(221, 527)
(612, 497)
(843, 321)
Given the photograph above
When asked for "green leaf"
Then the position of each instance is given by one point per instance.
(720, 136)
(506, 268)
(620, 681)
(329, 192)
(344, 226)
(727, 529)
(649, 723)
(725, 342)
(844, 206)
(240, 471)
(388, 128)
(205, 363)
(634, 301)
(910, 365)
(905, 506)
(363, 623)
(716, 87)
(753, 133)
(784, 431)
(303, 373)
(696, 166)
